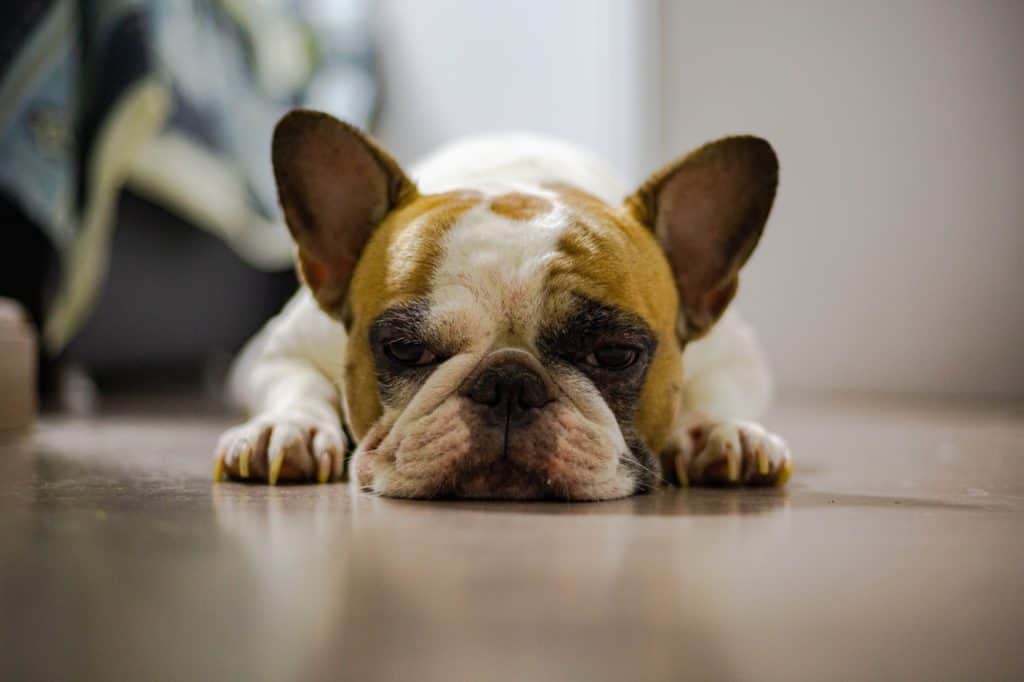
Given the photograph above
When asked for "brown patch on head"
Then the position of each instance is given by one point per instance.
(516, 206)
(612, 257)
(607, 254)
(396, 266)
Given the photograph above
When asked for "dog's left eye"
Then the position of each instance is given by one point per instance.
(613, 357)
(409, 352)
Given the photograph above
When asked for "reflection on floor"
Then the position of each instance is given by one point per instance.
(895, 553)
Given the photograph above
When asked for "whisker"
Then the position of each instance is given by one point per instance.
(633, 461)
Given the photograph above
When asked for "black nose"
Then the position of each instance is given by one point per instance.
(511, 387)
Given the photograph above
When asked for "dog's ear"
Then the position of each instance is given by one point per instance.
(335, 186)
(707, 211)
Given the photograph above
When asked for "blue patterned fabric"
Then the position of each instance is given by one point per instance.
(176, 98)
(38, 111)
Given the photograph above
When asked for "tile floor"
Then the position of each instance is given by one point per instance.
(896, 552)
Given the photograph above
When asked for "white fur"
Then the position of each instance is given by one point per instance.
(516, 161)
(294, 365)
(492, 274)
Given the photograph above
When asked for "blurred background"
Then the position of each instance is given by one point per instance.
(141, 231)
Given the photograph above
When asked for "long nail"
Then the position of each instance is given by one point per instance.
(732, 465)
(784, 473)
(762, 462)
(243, 461)
(684, 479)
(323, 467)
(275, 467)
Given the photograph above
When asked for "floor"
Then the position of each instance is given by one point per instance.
(897, 552)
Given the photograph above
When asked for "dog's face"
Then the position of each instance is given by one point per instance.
(519, 345)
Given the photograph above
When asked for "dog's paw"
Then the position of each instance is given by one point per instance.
(281, 448)
(729, 452)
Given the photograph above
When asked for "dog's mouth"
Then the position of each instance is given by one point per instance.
(503, 480)
(503, 427)
(465, 450)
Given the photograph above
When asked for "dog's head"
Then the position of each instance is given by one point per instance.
(516, 345)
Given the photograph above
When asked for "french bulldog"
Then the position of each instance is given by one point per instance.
(507, 321)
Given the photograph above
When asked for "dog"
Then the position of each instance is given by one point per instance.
(507, 321)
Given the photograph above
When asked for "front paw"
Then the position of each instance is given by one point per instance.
(730, 452)
(281, 448)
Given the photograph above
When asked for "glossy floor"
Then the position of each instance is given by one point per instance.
(897, 552)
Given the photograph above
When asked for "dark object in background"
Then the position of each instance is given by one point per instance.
(28, 264)
(27, 260)
(175, 298)
(175, 100)
(17, 369)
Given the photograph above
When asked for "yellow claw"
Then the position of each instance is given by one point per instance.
(323, 468)
(763, 467)
(218, 470)
(684, 480)
(732, 465)
(243, 462)
(784, 473)
(275, 468)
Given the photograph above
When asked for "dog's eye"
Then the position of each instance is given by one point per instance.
(408, 352)
(613, 357)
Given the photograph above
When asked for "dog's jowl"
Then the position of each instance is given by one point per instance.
(508, 321)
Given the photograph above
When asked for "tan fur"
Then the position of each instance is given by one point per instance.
(606, 253)
(494, 273)
(609, 255)
(400, 259)
(396, 266)
(519, 206)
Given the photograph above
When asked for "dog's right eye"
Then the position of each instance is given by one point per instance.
(614, 357)
(412, 353)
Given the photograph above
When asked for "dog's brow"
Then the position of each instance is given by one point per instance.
(590, 318)
(409, 315)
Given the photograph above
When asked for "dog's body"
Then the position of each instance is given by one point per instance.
(502, 329)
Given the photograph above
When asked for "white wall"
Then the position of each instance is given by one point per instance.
(895, 257)
(564, 67)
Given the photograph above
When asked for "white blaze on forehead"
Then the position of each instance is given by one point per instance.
(491, 276)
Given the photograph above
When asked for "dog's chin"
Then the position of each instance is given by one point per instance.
(457, 450)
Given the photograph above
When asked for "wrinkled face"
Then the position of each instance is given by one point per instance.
(518, 345)
(523, 348)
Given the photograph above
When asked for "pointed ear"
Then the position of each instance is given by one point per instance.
(707, 211)
(335, 186)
